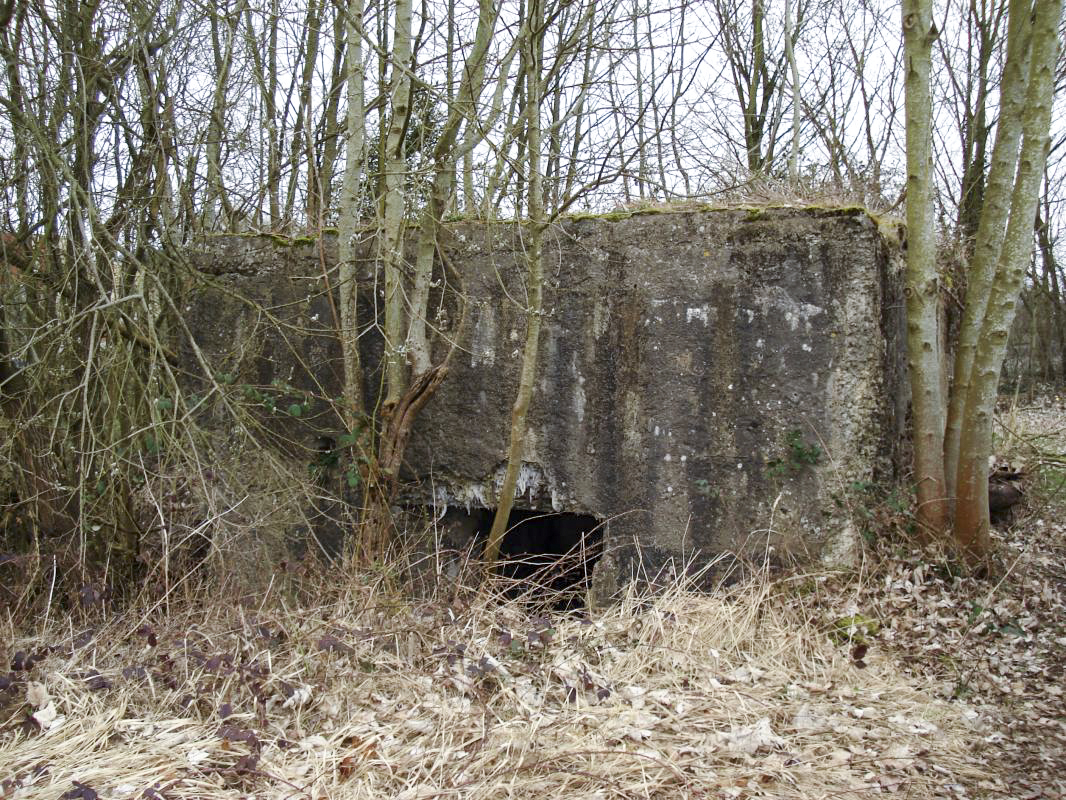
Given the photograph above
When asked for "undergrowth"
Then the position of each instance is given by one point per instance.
(325, 687)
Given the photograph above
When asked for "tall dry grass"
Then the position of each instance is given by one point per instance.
(323, 687)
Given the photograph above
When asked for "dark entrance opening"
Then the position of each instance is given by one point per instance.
(544, 554)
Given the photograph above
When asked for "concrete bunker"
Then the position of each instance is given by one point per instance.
(690, 363)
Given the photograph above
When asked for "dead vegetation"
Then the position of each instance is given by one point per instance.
(738, 695)
(996, 644)
(904, 678)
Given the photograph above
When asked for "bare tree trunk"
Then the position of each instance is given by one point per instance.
(676, 76)
(580, 123)
(513, 133)
(216, 192)
(642, 144)
(265, 75)
(790, 57)
(1050, 267)
(534, 37)
(990, 232)
(616, 113)
(445, 155)
(983, 23)
(754, 122)
(923, 294)
(663, 188)
(301, 147)
(971, 515)
(348, 223)
(473, 134)
(394, 166)
(270, 82)
(330, 129)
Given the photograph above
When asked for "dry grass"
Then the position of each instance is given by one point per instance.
(364, 694)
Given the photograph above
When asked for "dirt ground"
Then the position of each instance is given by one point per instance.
(904, 677)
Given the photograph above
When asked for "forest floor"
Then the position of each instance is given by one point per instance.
(902, 677)
(998, 644)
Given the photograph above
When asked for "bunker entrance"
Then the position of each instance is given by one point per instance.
(545, 553)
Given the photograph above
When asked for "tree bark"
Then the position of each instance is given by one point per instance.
(922, 286)
(347, 230)
(991, 230)
(534, 282)
(445, 156)
(394, 165)
(971, 515)
(790, 57)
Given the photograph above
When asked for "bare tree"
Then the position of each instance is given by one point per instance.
(923, 287)
(955, 466)
(533, 44)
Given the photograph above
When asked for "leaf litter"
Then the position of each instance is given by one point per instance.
(773, 688)
(994, 644)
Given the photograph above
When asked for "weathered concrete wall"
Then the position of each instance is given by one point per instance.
(690, 364)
